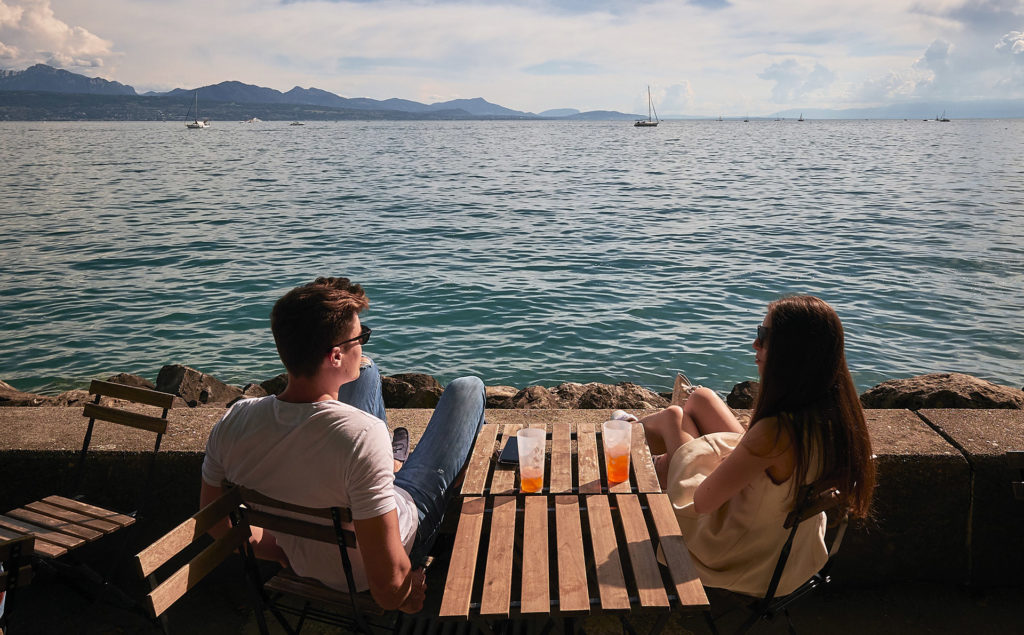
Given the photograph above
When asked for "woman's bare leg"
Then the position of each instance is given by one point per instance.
(667, 429)
(705, 412)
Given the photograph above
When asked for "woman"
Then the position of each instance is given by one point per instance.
(732, 488)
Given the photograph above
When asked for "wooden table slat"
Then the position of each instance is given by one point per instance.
(503, 481)
(561, 460)
(497, 591)
(480, 461)
(42, 533)
(66, 514)
(462, 568)
(642, 462)
(536, 586)
(607, 559)
(650, 587)
(90, 510)
(63, 526)
(573, 594)
(42, 548)
(688, 587)
(587, 458)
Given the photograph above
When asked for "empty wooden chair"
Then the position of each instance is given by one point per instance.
(811, 500)
(189, 537)
(61, 524)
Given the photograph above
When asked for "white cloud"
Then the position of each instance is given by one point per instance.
(795, 81)
(31, 33)
(1013, 43)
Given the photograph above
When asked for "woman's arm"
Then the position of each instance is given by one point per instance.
(761, 448)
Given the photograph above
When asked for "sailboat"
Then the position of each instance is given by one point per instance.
(943, 117)
(801, 118)
(195, 123)
(650, 109)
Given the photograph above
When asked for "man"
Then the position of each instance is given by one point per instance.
(306, 447)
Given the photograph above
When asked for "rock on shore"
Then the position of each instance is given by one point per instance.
(194, 389)
(942, 390)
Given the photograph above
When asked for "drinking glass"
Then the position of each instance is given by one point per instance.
(531, 459)
(617, 442)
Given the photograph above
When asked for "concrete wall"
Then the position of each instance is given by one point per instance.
(944, 509)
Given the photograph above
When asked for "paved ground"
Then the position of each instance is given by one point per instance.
(219, 605)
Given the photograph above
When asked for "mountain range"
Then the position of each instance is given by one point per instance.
(38, 85)
(42, 92)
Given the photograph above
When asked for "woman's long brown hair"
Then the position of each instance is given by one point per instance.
(807, 386)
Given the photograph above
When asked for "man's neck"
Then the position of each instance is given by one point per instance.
(307, 390)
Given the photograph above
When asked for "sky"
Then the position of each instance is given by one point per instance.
(699, 57)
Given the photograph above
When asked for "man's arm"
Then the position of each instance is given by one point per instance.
(393, 582)
(264, 545)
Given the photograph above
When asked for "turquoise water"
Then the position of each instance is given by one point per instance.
(523, 252)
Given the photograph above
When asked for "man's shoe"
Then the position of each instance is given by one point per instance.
(400, 444)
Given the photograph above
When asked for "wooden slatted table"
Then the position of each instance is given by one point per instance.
(61, 524)
(578, 547)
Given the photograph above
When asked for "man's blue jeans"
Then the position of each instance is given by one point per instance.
(441, 452)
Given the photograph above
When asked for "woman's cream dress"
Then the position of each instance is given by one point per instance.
(737, 546)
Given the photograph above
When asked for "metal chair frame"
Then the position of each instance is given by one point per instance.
(262, 511)
(811, 500)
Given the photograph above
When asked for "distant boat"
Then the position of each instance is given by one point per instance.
(801, 117)
(296, 123)
(253, 120)
(650, 109)
(746, 119)
(943, 117)
(195, 124)
(719, 117)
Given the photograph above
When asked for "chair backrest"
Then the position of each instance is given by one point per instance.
(180, 539)
(124, 416)
(811, 500)
(260, 510)
(1016, 460)
(263, 511)
(16, 558)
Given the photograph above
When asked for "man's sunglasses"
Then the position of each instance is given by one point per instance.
(762, 333)
(362, 338)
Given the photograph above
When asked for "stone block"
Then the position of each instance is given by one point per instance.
(996, 528)
(920, 513)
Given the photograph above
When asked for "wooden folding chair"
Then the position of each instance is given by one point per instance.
(811, 500)
(16, 572)
(1015, 458)
(62, 524)
(187, 538)
(351, 610)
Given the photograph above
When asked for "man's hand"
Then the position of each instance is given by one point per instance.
(417, 591)
(265, 547)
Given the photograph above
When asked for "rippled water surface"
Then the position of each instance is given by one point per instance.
(523, 252)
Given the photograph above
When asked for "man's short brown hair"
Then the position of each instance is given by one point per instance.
(307, 320)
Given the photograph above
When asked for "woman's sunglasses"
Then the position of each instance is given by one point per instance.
(762, 333)
(362, 338)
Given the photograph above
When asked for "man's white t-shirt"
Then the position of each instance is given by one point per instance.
(322, 454)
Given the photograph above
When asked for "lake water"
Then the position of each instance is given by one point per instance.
(522, 252)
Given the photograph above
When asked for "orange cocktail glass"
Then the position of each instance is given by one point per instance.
(531, 459)
(616, 436)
